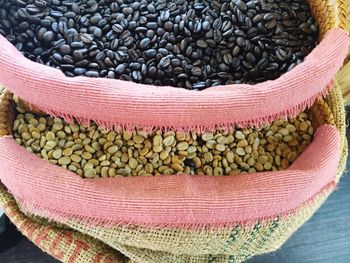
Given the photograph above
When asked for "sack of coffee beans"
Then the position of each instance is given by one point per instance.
(109, 206)
(116, 104)
(215, 49)
(175, 218)
(187, 44)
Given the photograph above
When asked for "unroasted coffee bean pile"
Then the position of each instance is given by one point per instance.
(190, 44)
(93, 152)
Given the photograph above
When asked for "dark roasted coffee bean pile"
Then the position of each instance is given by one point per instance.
(189, 44)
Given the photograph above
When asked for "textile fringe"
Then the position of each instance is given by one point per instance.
(57, 215)
(227, 127)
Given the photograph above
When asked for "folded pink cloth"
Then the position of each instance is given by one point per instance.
(120, 104)
(175, 201)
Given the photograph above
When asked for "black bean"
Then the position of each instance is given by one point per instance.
(164, 15)
(77, 45)
(251, 58)
(41, 3)
(70, 15)
(92, 74)
(217, 36)
(235, 62)
(199, 85)
(144, 43)
(152, 25)
(32, 9)
(62, 27)
(257, 19)
(86, 38)
(45, 22)
(196, 71)
(68, 59)
(136, 76)
(79, 71)
(67, 67)
(236, 50)
(194, 45)
(240, 41)
(206, 25)
(95, 19)
(268, 16)
(271, 24)
(227, 58)
(108, 62)
(168, 26)
(79, 54)
(41, 33)
(241, 5)
(127, 11)
(262, 29)
(120, 69)
(84, 63)
(48, 37)
(164, 62)
(65, 49)
(117, 28)
(97, 32)
(56, 14)
(115, 44)
(217, 24)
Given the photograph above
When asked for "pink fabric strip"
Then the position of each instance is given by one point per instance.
(178, 200)
(116, 103)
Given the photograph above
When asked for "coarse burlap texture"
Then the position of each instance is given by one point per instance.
(238, 242)
(167, 244)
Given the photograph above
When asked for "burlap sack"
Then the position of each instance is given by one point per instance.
(137, 242)
(152, 244)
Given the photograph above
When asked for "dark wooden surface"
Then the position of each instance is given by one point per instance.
(323, 239)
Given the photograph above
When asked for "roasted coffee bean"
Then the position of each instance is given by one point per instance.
(117, 28)
(164, 62)
(56, 14)
(67, 67)
(196, 71)
(241, 5)
(77, 45)
(48, 37)
(240, 41)
(79, 54)
(97, 32)
(86, 38)
(91, 73)
(187, 44)
(79, 71)
(65, 49)
(144, 43)
(202, 43)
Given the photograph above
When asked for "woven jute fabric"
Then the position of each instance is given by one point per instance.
(142, 244)
(230, 244)
(64, 244)
(234, 244)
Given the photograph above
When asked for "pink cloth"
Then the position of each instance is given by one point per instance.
(116, 103)
(177, 200)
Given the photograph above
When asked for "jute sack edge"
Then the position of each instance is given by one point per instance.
(117, 104)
